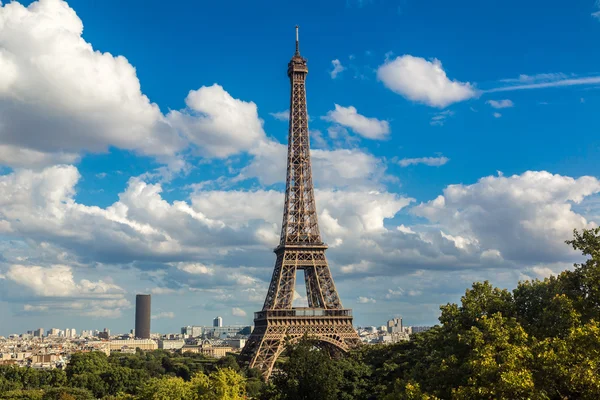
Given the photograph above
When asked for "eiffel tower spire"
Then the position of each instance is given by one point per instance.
(297, 42)
(300, 248)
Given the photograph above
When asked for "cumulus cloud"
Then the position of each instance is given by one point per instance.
(497, 115)
(523, 217)
(59, 97)
(430, 161)
(337, 68)
(500, 103)
(423, 81)
(217, 243)
(238, 312)
(143, 226)
(55, 289)
(56, 80)
(371, 128)
(57, 281)
(217, 123)
(366, 300)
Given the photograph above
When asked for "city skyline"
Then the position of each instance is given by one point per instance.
(144, 152)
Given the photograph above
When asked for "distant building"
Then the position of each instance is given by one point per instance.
(142, 344)
(142, 316)
(53, 332)
(218, 322)
(171, 344)
(192, 331)
(197, 331)
(236, 343)
(394, 325)
(39, 332)
(209, 351)
(225, 331)
(418, 329)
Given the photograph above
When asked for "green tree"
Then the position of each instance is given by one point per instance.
(309, 373)
(22, 395)
(94, 362)
(167, 388)
(225, 384)
(68, 394)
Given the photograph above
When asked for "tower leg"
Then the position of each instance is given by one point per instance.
(264, 348)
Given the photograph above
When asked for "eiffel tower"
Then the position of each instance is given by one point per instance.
(300, 248)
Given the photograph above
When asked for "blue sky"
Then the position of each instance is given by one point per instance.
(142, 149)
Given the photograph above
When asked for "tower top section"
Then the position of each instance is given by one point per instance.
(298, 63)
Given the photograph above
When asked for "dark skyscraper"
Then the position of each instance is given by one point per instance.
(142, 316)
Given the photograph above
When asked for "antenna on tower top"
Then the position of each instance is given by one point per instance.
(297, 41)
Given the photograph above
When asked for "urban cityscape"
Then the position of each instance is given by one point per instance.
(175, 224)
(52, 348)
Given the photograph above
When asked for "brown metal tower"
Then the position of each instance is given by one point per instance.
(300, 247)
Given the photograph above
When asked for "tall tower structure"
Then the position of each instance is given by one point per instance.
(300, 248)
(142, 316)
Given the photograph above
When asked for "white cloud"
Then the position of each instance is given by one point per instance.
(221, 239)
(54, 289)
(362, 267)
(440, 118)
(52, 78)
(500, 103)
(431, 161)
(392, 294)
(371, 128)
(20, 157)
(163, 315)
(523, 217)
(238, 312)
(86, 100)
(405, 229)
(337, 68)
(497, 115)
(596, 15)
(423, 81)
(366, 300)
(217, 123)
(542, 81)
(281, 115)
(547, 77)
(142, 225)
(195, 268)
(162, 290)
(317, 138)
(58, 281)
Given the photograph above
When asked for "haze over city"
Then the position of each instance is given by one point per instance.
(143, 150)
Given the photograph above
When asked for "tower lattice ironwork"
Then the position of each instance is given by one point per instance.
(300, 248)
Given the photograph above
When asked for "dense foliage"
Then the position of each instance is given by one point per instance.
(155, 375)
(540, 341)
